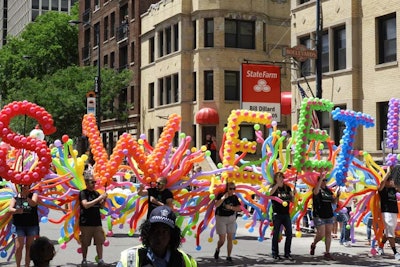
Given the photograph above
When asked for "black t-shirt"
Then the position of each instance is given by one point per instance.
(230, 200)
(90, 216)
(29, 217)
(284, 194)
(322, 203)
(388, 200)
(161, 196)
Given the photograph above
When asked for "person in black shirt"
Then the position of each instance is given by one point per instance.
(227, 204)
(281, 216)
(90, 224)
(323, 215)
(387, 192)
(158, 196)
(25, 220)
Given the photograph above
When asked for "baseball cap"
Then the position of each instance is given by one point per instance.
(163, 214)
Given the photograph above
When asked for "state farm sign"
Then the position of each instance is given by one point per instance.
(261, 89)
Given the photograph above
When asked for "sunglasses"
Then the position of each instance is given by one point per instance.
(232, 188)
(160, 183)
(324, 180)
(92, 182)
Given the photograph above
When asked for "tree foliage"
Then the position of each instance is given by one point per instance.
(41, 66)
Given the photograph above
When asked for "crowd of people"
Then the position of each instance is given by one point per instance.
(161, 237)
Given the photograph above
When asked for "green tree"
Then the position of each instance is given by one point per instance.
(41, 66)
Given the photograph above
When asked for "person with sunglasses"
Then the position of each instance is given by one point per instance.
(323, 215)
(281, 216)
(227, 205)
(90, 224)
(157, 196)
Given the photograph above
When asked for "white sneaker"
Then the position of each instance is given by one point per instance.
(380, 252)
(347, 244)
(397, 256)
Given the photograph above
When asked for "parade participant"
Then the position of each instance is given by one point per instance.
(211, 144)
(323, 198)
(227, 204)
(90, 224)
(42, 252)
(161, 239)
(26, 222)
(158, 196)
(281, 216)
(387, 192)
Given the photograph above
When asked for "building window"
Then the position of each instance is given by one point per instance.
(175, 86)
(232, 85)
(112, 60)
(45, 4)
(168, 40)
(339, 48)
(95, 32)
(176, 37)
(239, 34)
(382, 109)
(208, 85)
(151, 95)
(105, 60)
(132, 99)
(194, 82)
(151, 49)
(325, 52)
(106, 28)
(303, 1)
(160, 43)
(150, 138)
(54, 5)
(160, 92)
(305, 66)
(387, 38)
(112, 25)
(247, 131)
(209, 32)
(133, 52)
(168, 84)
(194, 46)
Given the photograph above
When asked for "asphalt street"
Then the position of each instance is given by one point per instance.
(247, 252)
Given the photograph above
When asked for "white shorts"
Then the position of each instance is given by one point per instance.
(390, 220)
(225, 224)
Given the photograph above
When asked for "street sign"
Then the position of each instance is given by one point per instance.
(300, 53)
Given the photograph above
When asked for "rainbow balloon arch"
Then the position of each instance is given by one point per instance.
(56, 174)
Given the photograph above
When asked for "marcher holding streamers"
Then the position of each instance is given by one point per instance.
(323, 198)
(389, 209)
(161, 239)
(90, 220)
(227, 204)
(281, 216)
(158, 196)
(26, 222)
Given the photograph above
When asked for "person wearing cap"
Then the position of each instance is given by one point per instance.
(161, 240)
(25, 220)
(227, 205)
(158, 196)
(42, 252)
(387, 192)
(90, 224)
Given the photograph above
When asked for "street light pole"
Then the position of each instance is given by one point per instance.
(97, 79)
